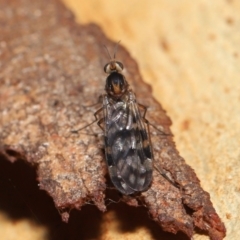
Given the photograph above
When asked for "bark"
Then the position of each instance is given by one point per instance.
(51, 73)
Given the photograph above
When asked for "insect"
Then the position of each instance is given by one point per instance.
(126, 133)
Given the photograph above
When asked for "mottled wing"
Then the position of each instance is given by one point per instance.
(127, 147)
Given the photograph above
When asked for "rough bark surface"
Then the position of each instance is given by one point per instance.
(51, 72)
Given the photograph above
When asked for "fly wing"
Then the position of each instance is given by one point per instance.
(144, 149)
(127, 147)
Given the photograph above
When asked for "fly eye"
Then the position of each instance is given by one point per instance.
(119, 66)
(113, 66)
(107, 68)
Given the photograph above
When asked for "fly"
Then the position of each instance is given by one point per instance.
(126, 133)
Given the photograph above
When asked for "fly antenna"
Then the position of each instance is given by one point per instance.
(116, 49)
(110, 58)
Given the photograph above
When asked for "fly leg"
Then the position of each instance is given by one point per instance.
(144, 109)
(99, 121)
(148, 123)
(98, 102)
